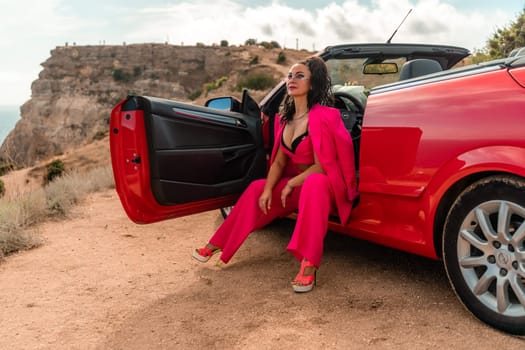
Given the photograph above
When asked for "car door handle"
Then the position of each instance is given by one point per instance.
(232, 155)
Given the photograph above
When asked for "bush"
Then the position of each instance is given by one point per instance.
(195, 95)
(2, 188)
(214, 84)
(61, 195)
(5, 168)
(55, 200)
(265, 44)
(281, 58)
(16, 216)
(120, 75)
(224, 43)
(256, 81)
(270, 45)
(254, 60)
(53, 170)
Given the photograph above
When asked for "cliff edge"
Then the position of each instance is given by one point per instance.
(72, 98)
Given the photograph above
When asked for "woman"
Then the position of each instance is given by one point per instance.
(312, 171)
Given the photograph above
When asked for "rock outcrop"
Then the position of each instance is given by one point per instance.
(72, 98)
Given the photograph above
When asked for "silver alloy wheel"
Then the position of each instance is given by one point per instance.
(491, 255)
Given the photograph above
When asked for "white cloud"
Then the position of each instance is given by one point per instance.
(32, 20)
(31, 28)
(430, 21)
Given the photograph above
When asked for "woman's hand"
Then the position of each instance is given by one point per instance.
(285, 193)
(265, 201)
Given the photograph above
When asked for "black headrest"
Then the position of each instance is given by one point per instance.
(419, 67)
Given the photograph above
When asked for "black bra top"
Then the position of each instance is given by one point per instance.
(295, 142)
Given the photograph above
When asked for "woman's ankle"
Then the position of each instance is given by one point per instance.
(211, 246)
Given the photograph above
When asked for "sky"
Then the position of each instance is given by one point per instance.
(30, 29)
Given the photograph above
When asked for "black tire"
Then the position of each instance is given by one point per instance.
(484, 251)
(226, 211)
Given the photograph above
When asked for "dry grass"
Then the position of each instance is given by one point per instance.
(54, 201)
(61, 195)
(16, 217)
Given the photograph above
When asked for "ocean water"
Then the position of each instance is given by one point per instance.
(9, 115)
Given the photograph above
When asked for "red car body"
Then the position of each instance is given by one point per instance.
(421, 141)
(426, 146)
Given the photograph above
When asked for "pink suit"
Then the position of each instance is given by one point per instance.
(319, 194)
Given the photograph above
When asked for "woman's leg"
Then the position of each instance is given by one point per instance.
(315, 202)
(246, 217)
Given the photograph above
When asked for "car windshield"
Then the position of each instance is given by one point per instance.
(349, 72)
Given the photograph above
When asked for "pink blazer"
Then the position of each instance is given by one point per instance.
(334, 148)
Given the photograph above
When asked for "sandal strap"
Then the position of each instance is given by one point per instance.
(205, 251)
(307, 263)
(301, 278)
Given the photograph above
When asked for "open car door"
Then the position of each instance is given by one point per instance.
(172, 159)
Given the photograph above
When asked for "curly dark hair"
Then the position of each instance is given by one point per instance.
(320, 92)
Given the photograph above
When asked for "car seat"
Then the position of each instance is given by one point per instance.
(418, 67)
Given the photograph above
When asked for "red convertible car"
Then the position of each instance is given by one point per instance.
(440, 154)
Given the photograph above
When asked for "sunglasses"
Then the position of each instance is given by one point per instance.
(298, 76)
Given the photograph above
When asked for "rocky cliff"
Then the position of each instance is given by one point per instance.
(72, 98)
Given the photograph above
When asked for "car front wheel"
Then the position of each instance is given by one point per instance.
(484, 251)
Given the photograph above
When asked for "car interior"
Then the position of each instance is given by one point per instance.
(172, 134)
(418, 67)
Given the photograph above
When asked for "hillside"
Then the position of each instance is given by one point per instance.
(74, 93)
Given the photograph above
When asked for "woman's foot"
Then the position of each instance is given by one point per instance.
(306, 278)
(204, 254)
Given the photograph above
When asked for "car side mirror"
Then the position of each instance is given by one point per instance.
(224, 103)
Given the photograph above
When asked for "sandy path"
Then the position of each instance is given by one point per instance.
(102, 282)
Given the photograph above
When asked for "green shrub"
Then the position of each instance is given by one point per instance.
(270, 45)
(214, 84)
(137, 71)
(281, 58)
(265, 44)
(256, 81)
(5, 168)
(2, 188)
(120, 75)
(254, 60)
(224, 43)
(53, 170)
(195, 95)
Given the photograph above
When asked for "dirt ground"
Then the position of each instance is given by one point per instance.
(100, 281)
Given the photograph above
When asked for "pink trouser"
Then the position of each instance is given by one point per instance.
(313, 200)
